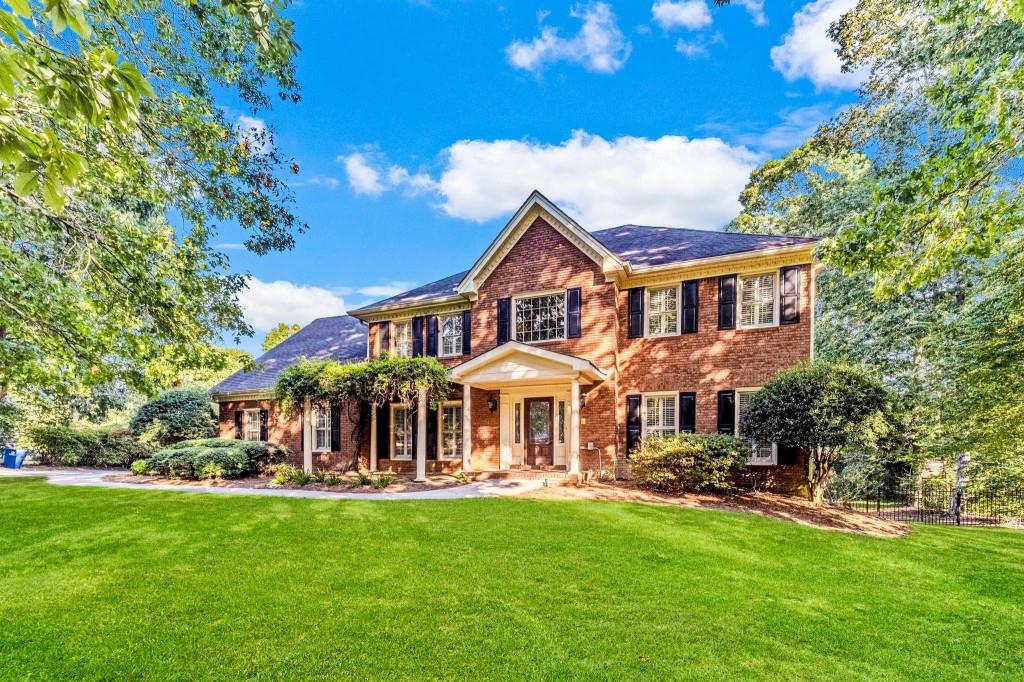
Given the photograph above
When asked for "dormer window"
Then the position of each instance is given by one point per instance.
(540, 317)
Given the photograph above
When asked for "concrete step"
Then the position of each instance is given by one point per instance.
(550, 478)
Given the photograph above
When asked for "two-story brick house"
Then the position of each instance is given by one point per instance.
(567, 347)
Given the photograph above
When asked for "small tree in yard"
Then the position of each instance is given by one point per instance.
(821, 408)
(174, 416)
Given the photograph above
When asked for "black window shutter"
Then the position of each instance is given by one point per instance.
(504, 319)
(691, 296)
(727, 302)
(264, 425)
(384, 332)
(727, 412)
(239, 415)
(636, 313)
(790, 295)
(687, 413)
(633, 426)
(574, 305)
(431, 433)
(432, 336)
(417, 337)
(335, 428)
(467, 333)
(383, 431)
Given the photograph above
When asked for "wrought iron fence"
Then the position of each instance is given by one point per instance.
(953, 506)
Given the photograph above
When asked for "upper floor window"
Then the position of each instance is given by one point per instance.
(252, 424)
(450, 329)
(759, 300)
(659, 415)
(663, 311)
(760, 454)
(401, 338)
(540, 318)
(321, 430)
(451, 431)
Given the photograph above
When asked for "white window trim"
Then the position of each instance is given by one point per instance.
(643, 409)
(739, 301)
(440, 432)
(393, 337)
(317, 411)
(440, 337)
(647, 312)
(391, 432)
(534, 294)
(251, 415)
(751, 459)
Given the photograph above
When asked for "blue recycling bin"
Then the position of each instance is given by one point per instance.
(14, 459)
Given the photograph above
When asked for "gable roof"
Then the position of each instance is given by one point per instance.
(341, 338)
(434, 291)
(645, 246)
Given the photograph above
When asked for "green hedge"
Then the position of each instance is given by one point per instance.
(689, 462)
(62, 445)
(212, 458)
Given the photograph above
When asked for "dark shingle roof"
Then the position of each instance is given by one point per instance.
(645, 246)
(640, 245)
(341, 338)
(442, 288)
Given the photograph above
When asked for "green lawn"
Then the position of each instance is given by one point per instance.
(112, 584)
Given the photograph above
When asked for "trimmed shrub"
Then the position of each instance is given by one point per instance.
(175, 416)
(140, 468)
(214, 458)
(688, 462)
(62, 445)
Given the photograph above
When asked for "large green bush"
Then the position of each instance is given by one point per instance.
(62, 445)
(688, 462)
(212, 458)
(181, 414)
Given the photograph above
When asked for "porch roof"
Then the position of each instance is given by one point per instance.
(514, 363)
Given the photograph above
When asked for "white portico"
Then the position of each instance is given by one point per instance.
(538, 393)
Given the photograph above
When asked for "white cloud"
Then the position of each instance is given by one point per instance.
(362, 177)
(671, 180)
(755, 8)
(386, 290)
(267, 303)
(796, 126)
(229, 246)
(413, 183)
(691, 49)
(691, 14)
(599, 46)
(326, 181)
(808, 52)
(254, 130)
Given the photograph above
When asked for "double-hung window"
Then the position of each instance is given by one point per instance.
(251, 423)
(450, 329)
(401, 432)
(321, 430)
(451, 431)
(540, 317)
(760, 453)
(663, 311)
(759, 300)
(401, 333)
(659, 415)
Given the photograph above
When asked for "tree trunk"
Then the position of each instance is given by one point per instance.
(819, 464)
(959, 481)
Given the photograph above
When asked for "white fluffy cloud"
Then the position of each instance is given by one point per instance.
(599, 46)
(795, 126)
(691, 14)
(808, 52)
(268, 303)
(362, 177)
(755, 8)
(370, 175)
(386, 290)
(671, 180)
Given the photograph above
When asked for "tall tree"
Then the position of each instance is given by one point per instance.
(280, 332)
(108, 126)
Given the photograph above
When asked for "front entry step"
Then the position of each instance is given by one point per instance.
(550, 477)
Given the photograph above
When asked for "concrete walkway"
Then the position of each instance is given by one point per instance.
(94, 478)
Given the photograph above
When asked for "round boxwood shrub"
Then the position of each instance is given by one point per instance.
(688, 462)
(212, 458)
(174, 416)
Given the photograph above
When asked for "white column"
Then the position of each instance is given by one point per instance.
(467, 429)
(421, 436)
(574, 428)
(307, 436)
(373, 437)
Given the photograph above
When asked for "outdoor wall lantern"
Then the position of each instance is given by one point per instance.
(583, 401)
(492, 403)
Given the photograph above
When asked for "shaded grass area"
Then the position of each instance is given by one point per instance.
(119, 584)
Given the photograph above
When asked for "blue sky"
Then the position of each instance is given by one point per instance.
(424, 124)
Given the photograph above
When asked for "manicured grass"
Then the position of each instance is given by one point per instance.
(112, 584)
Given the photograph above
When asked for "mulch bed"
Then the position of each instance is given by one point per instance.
(794, 509)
